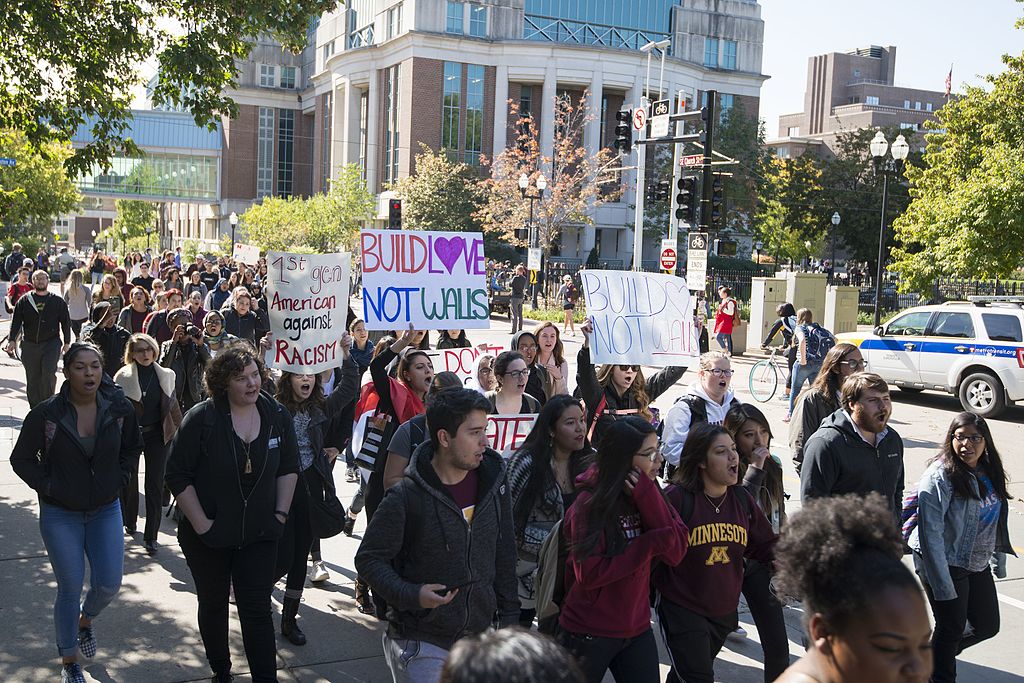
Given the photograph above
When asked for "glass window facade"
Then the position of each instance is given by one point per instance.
(360, 22)
(711, 52)
(478, 20)
(614, 23)
(181, 176)
(728, 54)
(450, 108)
(265, 153)
(395, 21)
(288, 76)
(526, 101)
(391, 76)
(871, 99)
(268, 75)
(285, 151)
(474, 113)
(453, 21)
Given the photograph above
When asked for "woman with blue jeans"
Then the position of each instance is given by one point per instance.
(76, 450)
(805, 368)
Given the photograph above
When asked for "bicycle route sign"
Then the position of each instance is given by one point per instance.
(696, 261)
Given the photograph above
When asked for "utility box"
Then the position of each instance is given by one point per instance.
(766, 293)
(841, 309)
(807, 290)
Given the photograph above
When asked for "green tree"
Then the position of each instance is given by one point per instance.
(442, 195)
(319, 224)
(135, 215)
(787, 214)
(966, 215)
(740, 136)
(65, 63)
(36, 189)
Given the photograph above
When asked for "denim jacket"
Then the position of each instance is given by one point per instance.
(946, 530)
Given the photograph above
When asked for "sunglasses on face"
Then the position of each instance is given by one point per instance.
(626, 368)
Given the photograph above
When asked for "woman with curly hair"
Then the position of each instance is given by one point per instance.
(863, 609)
(614, 391)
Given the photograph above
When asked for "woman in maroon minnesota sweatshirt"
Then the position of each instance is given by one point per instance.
(616, 529)
(698, 598)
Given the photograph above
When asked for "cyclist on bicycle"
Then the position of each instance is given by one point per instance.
(786, 324)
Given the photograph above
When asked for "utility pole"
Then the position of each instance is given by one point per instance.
(709, 114)
(641, 168)
(677, 170)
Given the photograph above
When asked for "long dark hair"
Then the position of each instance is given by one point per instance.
(772, 492)
(621, 441)
(285, 393)
(695, 454)
(958, 472)
(830, 379)
(540, 446)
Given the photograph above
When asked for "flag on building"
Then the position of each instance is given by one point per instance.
(949, 81)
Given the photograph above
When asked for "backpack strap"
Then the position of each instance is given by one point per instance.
(598, 412)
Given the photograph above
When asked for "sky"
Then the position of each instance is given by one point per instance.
(928, 36)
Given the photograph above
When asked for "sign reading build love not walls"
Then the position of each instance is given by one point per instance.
(639, 318)
(433, 280)
(307, 298)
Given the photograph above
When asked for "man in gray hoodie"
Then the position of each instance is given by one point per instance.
(441, 547)
(855, 450)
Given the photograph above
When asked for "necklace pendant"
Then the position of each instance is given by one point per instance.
(248, 465)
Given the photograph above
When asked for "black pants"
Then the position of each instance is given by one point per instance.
(975, 601)
(768, 617)
(790, 359)
(251, 571)
(693, 641)
(40, 361)
(76, 327)
(297, 540)
(631, 660)
(155, 451)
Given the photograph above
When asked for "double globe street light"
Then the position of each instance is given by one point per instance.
(533, 237)
(887, 166)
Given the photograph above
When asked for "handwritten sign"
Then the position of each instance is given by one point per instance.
(430, 279)
(246, 253)
(463, 361)
(506, 433)
(307, 297)
(639, 318)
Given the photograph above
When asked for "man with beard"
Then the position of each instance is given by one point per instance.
(43, 317)
(854, 450)
(109, 337)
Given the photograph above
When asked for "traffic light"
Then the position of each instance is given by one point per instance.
(716, 200)
(658, 192)
(686, 199)
(394, 214)
(624, 131)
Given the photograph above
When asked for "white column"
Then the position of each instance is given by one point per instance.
(500, 110)
(592, 140)
(547, 114)
(373, 131)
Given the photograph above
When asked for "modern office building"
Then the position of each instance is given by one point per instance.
(850, 91)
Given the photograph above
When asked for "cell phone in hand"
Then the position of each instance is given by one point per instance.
(449, 589)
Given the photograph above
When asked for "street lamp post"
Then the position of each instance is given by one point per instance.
(233, 219)
(757, 250)
(836, 218)
(887, 166)
(534, 234)
(124, 243)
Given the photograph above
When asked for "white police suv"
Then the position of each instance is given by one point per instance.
(972, 349)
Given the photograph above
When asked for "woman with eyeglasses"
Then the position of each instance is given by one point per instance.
(483, 379)
(510, 398)
(613, 391)
(698, 598)
(542, 477)
(708, 399)
(214, 334)
(617, 528)
(962, 507)
(822, 398)
(150, 388)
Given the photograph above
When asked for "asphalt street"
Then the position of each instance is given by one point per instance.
(149, 633)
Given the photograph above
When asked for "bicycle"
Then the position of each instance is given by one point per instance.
(764, 376)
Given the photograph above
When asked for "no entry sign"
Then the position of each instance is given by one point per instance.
(669, 255)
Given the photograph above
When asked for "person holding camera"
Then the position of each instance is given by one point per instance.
(187, 355)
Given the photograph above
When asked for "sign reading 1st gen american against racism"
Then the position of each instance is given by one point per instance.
(434, 280)
(639, 318)
(307, 297)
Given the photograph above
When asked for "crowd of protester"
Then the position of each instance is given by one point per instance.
(606, 511)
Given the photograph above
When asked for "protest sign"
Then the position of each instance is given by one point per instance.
(506, 433)
(433, 280)
(246, 253)
(639, 318)
(463, 361)
(307, 297)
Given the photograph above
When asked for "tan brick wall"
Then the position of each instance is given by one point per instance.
(238, 166)
(427, 93)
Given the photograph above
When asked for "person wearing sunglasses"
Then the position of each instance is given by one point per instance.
(962, 507)
(822, 398)
(706, 400)
(512, 374)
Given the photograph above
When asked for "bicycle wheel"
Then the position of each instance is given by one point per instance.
(764, 380)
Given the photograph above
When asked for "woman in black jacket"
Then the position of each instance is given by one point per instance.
(314, 418)
(233, 468)
(786, 323)
(76, 450)
(612, 391)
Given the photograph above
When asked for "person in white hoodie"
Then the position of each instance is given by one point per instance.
(706, 400)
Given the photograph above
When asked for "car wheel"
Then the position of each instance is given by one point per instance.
(982, 394)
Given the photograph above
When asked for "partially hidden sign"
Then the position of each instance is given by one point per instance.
(463, 361)
(639, 318)
(506, 433)
(307, 298)
(434, 280)
(245, 253)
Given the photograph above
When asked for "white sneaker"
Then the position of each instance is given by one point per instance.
(318, 573)
(738, 634)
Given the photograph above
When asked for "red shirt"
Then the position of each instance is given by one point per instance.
(723, 316)
(16, 291)
(464, 494)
